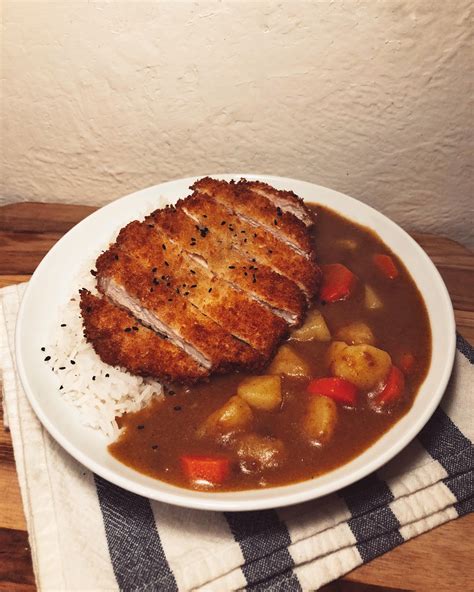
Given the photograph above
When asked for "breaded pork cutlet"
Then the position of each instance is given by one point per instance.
(258, 211)
(261, 247)
(119, 340)
(209, 286)
(129, 285)
(287, 201)
(277, 292)
(231, 308)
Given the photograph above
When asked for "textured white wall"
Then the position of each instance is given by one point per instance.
(369, 98)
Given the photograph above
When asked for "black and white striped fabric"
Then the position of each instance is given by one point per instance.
(88, 534)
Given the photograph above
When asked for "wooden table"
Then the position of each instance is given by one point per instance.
(438, 560)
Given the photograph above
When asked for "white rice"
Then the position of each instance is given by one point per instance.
(99, 391)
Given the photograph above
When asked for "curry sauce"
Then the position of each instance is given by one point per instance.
(154, 440)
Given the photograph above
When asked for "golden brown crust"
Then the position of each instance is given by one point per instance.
(224, 352)
(257, 208)
(201, 239)
(119, 340)
(265, 248)
(287, 200)
(229, 307)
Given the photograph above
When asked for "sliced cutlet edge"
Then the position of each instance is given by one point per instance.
(261, 247)
(271, 289)
(260, 212)
(285, 200)
(120, 340)
(129, 285)
(229, 307)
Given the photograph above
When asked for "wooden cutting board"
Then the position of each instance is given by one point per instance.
(438, 560)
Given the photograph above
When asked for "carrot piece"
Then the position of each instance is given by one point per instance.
(212, 469)
(386, 265)
(338, 282)
(338, 389)
(407, 361)
(393, 389)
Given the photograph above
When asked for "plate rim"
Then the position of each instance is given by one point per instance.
(216, 501)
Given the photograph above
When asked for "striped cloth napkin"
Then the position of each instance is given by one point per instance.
(87, 534)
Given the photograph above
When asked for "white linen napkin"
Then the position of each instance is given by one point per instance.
(87, 534)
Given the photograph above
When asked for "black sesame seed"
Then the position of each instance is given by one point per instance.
(127, 329)
(62, 367)
(279, 212)
(93, 272)
(93, 378)
(72, 362)
(154, 447)
(61, 388)
(43, 349)
(275, 222)
(116, 257)
(210, 290)
(254, 279)
(223, 222)
(163, 246)
(155, 269)
(63, 324)
(151, 289)
(186, 294)
(156, 282)
(167, 264)
(231, 266)
(204, 216)
(177, 290)
(107, 375)
(151, 226)
(193, 286)
(47, 358)
(192, 271)
(170, 300)
(254, 235)
(135, 328)
(140, 427)
(245, 273)
(177, 407)
(171, 393)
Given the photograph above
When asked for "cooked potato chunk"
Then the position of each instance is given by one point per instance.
(363, 365)
(258, 453)
(320, 419)
(333, 351)
(314, 327)
(261, 392)
(356, 333)
(233, 416)
(288, 362)
(372, 301)
(347, 243)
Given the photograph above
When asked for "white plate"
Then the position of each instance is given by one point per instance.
(50, 288)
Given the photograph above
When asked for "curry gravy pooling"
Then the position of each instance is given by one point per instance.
(154, 439)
